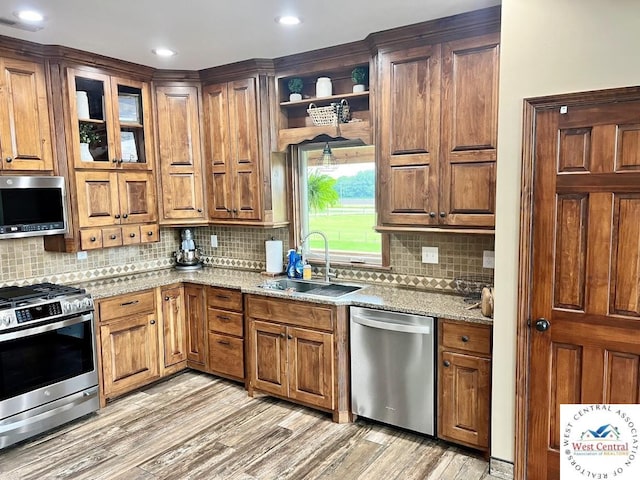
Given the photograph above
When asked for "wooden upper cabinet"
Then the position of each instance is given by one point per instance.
(115, 198)
(469, 130)
(233, 150)
(437, 133)
(409, 136)
(114, 114)
(25, 130)
(181, 186)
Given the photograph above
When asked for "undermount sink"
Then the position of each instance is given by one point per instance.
(320, 289)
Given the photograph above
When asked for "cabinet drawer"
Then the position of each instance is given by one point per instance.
(467, 337)
(224, 298)
(130, 234)
(111, 237)
(90, 239)
(291, 312)
(149, 233)
(226, 355)
(224, 322)
(126, 305)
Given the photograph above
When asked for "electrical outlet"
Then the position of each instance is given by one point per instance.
(429, 254)
(488, 259)
(214, 241)
(82, 255)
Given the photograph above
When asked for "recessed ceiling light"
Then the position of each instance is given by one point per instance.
(288, 20)
(164, 52)
(29, 16)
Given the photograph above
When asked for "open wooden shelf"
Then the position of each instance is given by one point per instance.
(350, 131)
(323, 100)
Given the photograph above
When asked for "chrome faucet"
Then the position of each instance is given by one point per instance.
(326, 251)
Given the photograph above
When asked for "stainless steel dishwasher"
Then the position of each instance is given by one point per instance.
(392, 368)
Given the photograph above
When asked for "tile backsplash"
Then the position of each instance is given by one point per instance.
(24, 261)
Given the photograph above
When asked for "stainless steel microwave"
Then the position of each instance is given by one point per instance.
(32, 206)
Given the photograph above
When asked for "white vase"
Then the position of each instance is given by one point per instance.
(82, 104)
(295, 97)
(358, 88)
(324, 87)
(85, 154)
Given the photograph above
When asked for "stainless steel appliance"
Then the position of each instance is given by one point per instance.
(48, 372)
(393, 368)
(188, 256)
(31, 206)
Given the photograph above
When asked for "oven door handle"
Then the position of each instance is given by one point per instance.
(29, 331)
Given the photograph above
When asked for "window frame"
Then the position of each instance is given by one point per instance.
(297, 216)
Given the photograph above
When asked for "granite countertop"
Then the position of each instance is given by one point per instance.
(398, 299)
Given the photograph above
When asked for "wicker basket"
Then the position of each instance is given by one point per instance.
(329, 115)
(322, 115)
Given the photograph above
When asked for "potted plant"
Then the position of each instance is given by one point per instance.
(87, 136)
(360, 76)
(295, 89)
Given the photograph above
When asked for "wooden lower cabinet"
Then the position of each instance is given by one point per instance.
(173, 335)
(128, 331)
(225, 333)
(194, 300)
(464, 383)
(293, 356)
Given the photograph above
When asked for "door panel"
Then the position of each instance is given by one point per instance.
(409, 136)
(180, 156)
(173, 320)
(269, 353)
(217, 152)
(469, 131)
(25, 132)
(98, 202)
(137, 197)
(310, 367)
(196, 323)
(584, 264)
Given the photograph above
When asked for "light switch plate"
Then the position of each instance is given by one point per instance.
(429, 254)
(214, 241)
(488, 259)
(82, 255)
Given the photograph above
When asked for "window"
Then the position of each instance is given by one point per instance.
(337, 197)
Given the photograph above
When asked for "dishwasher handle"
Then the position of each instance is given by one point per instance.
(389, 325)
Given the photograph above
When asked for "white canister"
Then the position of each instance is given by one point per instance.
(82, 104)
(324, 87)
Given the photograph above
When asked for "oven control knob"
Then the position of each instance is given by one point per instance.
(76, 304)
(66, 307)
(5, 320)
(86, 303)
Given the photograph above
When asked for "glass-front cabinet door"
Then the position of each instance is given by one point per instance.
(110, 121)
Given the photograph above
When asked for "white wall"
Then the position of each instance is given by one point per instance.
(547, 47)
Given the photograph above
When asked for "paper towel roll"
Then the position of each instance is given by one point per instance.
(274, 256)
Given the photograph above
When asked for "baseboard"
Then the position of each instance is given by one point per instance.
(501, 468)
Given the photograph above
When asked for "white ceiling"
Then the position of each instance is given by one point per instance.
(207, 33)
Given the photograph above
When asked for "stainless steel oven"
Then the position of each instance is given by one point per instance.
(48, 372)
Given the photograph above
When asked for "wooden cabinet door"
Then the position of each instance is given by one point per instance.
(194, 301)
(469, 131)
(181, 183)
(465, 399)
(174, 326)
(98, 202)
(129, 353)
(268, 354)
(137, 197)
(310, 359)
(218, 151)
(244, 149)
(25, 131)
(409, 136)
(131, 126)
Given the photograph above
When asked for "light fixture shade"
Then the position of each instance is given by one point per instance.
(328, 161)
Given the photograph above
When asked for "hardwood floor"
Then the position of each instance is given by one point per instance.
(194, 426)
